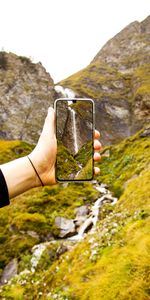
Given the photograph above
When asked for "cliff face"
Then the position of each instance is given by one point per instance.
(26, 91)
(118, 79)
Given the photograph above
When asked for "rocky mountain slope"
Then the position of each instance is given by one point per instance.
(77, 241)
(26, 91)
(118, 79)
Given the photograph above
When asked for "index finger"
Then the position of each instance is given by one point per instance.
(96, 134)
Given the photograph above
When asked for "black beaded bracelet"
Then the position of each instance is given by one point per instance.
(35, 170)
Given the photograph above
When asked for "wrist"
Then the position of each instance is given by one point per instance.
(19, 176)
(38, 165)
(35, 170)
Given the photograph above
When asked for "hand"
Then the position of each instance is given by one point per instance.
(97, 147)
(44, 154)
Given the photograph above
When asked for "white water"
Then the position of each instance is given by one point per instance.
(74, 129)
(67, 93)
(94, 214)
(37, 253)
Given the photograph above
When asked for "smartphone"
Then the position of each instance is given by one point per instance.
(74, 133)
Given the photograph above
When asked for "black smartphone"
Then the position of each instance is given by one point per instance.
(74, 133)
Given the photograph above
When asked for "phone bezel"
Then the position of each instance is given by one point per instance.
(93, 129)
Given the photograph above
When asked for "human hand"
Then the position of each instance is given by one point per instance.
(44, 155)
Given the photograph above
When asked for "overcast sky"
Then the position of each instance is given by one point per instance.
(64, 35)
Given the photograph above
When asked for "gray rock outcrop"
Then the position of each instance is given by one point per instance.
(66, 226)
(26, 92)
(118, 80)
(9, 271)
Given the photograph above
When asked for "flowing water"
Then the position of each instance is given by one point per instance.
(74, 129)
(91, 220)
(68, 93)
(65, 92)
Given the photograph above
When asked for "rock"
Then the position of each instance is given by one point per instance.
(33, 234)
(37, 253)
(27, 91)
(145, 133)
(104, 185)
(82, 211)
(79, 221)
(118, 79)
(61, 249)
(66, 226)
(46, 237)
(106, 153)
(9, 271)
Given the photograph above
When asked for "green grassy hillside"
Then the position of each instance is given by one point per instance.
(124, 162)
(112, 262)
(35, 210)
(66, 164)
(90, 81)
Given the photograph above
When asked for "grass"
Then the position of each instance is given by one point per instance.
(90, 81)
(118, 271)
(35, 210)
(126, 161)
(10, 150)
(110, 264)
(85, 153)
(66, 164)
(87, 171)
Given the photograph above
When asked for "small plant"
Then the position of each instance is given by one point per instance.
(3, 60)
(28, 63)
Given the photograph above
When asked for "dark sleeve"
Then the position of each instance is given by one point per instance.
(4, 196)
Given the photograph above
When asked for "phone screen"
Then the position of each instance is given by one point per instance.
(74, 132)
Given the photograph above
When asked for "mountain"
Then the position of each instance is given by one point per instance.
(26, 91)
(118, 79)
(81, 241)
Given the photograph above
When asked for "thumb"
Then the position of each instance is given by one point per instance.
(49, 125)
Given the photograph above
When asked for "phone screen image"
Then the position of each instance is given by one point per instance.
(74, 132)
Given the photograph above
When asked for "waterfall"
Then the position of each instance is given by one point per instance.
(74, 129)
(66, 93)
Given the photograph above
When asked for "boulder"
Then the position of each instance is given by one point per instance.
(66, 226)
(82, 211)
(9, 271)
(145, 133)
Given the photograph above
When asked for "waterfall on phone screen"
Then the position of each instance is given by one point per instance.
(74, 129)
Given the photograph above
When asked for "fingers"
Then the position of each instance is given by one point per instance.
(97, 145)
(51, 120)
(49, 125)
(96, 134)
(96, 170)
(97, 156)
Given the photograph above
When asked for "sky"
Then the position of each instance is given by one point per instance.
(64, 35)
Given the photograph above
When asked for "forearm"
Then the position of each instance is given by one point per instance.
(20, 176)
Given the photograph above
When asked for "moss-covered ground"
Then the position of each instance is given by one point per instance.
(112, 262)
(66, 164)
(97, 80)
(36, 209)
(124, 161)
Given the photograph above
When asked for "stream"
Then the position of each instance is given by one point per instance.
(88, 224)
